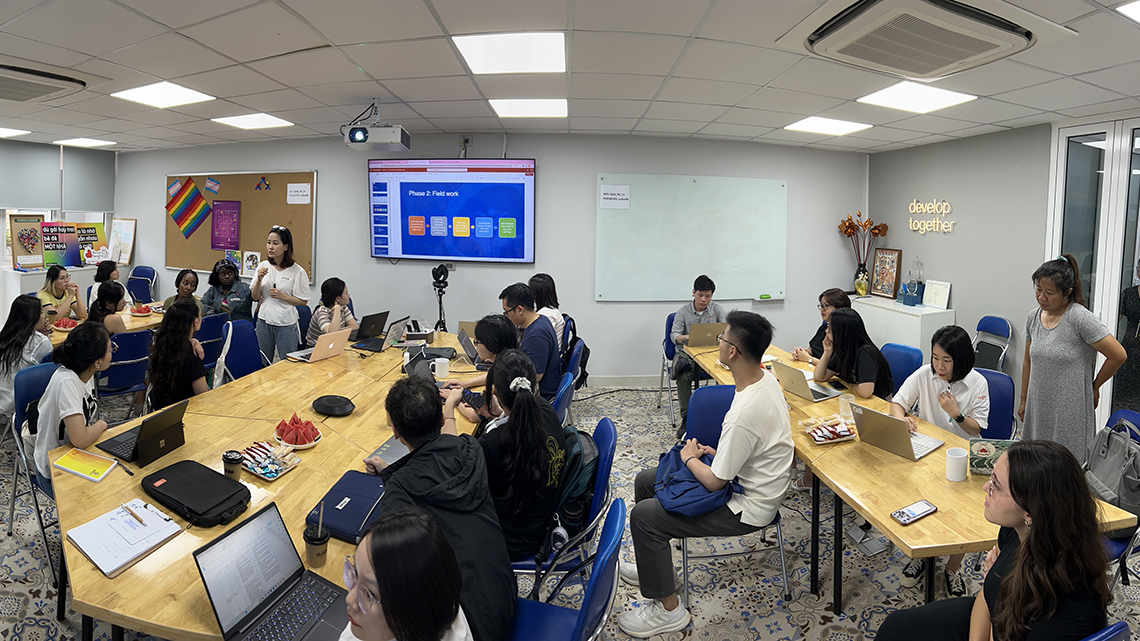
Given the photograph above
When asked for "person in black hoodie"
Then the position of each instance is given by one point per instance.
(446, 474)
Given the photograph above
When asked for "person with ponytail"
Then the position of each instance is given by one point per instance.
(1059, 390)
(847, 346)
(110, 301)
(525, 455)
(107, 272)
(175, 372)
(1045, 579)
(60, 295)
(23, 343)
(69, 408)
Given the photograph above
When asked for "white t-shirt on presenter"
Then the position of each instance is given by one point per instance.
(919, 396)
(292, 281)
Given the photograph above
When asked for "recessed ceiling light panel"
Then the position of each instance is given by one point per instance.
(163, 95)
(1132, 10)
(828, 126)
(916, 97)
(513, 52)
(253, 121)
(9, 133)
(530, 108)
(83, 142)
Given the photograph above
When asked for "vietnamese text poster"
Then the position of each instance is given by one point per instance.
(93, 247)
(61, 244)
(225, 224)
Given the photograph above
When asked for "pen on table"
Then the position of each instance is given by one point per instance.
(155, 510)
(133, 513)
(126, 470)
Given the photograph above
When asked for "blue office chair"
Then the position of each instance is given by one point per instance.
(127, 372)
(564, 397)
(569, 328)
(304, 319)
(210, 336)
(903, 360)
(1116, 632)
(240, 354)
(88, 299)
(575, 363)
(707, 408)
(991, 341)
(535, 621)
(47, 357)
(144, 272)
(139, 290)
(1000, 423)
(28, 386)
(668, 352)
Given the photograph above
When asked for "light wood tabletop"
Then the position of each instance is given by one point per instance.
(133, 323)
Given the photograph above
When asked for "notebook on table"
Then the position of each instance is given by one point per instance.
(117, 540)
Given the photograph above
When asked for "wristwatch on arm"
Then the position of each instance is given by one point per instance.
(960, 418)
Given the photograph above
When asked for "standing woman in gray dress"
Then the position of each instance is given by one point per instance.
(1062, 337)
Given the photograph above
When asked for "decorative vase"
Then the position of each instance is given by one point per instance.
(862, 280)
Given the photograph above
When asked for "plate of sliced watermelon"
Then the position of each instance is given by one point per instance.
(300, 434)
(65, 324)
(140, 310)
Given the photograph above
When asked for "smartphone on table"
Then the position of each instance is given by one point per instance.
(914, 512)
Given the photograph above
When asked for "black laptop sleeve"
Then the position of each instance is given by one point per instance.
(198, 494)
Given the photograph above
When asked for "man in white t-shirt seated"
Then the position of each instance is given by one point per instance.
(755, 448)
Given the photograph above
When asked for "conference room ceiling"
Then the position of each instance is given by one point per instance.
(676, 68)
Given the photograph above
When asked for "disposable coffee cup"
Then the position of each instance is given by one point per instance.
(845, 401)
(231, 463)
(440, 368)
(316, 546)
(956, 459)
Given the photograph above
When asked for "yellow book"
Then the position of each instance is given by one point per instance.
(83, 463)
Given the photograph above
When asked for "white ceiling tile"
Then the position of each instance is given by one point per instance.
(1027, 121)
(1059, 11)
(453, 88)
(599, 132)
(829, 146)
(279, 100)
(734, 62)
(313, 115)
(866, 114)
(213, 109)
(986, 110)
(347, 93)
(395, 111)
(891, 147)
(11, 8)
(453, 109)
(121, 77)
(419, 126)
(319, 67)
(525, 85)
(114, 125)
(609, 108)
(886, 134)
(412, 59)
(178, 13)
(760, 117)
(208, 127)
(931, 124)
(722, 129)
(624, 53)
(671, 126)
(754, 22)
(978, 131)
(192, 139)
(229, 82)
(614, 86)
(713, 92)
(847, 143)
(1058, 94)
(1098, 46)
(160, 117)
(684, 111)
(66, 116)
(718, 137)
(600, 124)
(354, 21)
(928, 140)
(238, 134)
(70, 98)
(39, 52)
(467, 125)
(296, 131)
(794, 136)
(996, 77)
(121, 137)
(163, 133)
(675, 17)
(464, 16)
(798, 102)
(1124, 78)
(168, 56)
(256, 32)
(91, 26)
(1112, 106)
(831, 79)
(547, 125)
(109, 106)
(9, 108)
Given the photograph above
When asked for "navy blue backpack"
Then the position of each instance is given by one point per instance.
(681, 493)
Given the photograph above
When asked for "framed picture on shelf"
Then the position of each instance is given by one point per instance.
(937, 294)
(885, 272)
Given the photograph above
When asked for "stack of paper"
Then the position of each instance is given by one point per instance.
(117, 540)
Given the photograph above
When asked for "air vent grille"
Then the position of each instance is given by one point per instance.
(914, 45)
(20, 84)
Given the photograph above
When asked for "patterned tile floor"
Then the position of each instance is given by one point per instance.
(735, 598)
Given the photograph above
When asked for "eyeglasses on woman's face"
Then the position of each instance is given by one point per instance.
(364, 598)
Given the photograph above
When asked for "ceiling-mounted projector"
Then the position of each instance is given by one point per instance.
(377, 138)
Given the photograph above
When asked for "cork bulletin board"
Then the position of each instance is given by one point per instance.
(266, 199)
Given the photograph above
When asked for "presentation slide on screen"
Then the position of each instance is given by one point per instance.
(461, 209)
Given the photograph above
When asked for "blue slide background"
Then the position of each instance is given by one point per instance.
(495, 200)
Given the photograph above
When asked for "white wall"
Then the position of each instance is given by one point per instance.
(624, 338)
(998, 185)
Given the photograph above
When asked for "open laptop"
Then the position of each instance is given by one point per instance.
(467, 326)
(159, 433)
(371, 326)
(889, 433)
(394, 334)
(796, 381)
(260, 590)
(472, 354)
(704, 334)
(328, 345)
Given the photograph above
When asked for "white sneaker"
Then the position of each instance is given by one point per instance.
(628, 573)
(651, 619)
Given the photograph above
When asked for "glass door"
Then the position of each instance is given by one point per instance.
(1126, 387)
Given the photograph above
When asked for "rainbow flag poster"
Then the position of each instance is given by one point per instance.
(188, 208)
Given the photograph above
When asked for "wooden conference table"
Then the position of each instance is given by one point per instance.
(133, 323)
(876, 482)
(163, 595)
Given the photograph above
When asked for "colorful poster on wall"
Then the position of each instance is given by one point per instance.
(188, 209)
(225, 224)
(61, 244)
(249, 263)
(234, 256)
(24, 238)
(122, 239)
(92, 243)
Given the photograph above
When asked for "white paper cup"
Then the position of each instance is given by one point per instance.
(440, 368)
(956, 459)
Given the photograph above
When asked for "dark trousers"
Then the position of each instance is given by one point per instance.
(686, 380)
(946, 620)
(652, 529)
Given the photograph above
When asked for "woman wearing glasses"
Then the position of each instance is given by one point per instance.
(404, 583)
(829, 301)
(281, 285)
(1045, 578)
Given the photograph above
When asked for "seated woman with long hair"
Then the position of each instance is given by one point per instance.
(494, 334)
(404, 583)
(859, 360)
(176, 372)
(106, 272)
(525, 455)
(23, 343)
(1045, 578)
(110, 301)
(60, 295)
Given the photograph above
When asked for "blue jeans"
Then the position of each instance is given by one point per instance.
(45, 484)
(283, 338)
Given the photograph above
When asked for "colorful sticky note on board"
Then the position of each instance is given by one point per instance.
(188, 209)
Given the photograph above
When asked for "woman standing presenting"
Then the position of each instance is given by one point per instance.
(1059, 392)
(279, 287)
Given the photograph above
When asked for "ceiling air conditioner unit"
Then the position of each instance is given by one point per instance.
(920, 39)
(27, 81)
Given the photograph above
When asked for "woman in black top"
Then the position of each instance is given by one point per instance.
(176, 372)
(494, 334)
(1126, 390)
(525, 455)
(829, 301)
(1045, 579)
(858, 361)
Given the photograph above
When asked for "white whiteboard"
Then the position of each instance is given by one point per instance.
(679, 227)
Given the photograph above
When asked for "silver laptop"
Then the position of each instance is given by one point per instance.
(328, 345)
(704, 334)
(889, 433)
(472, 354)
(796, 381)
